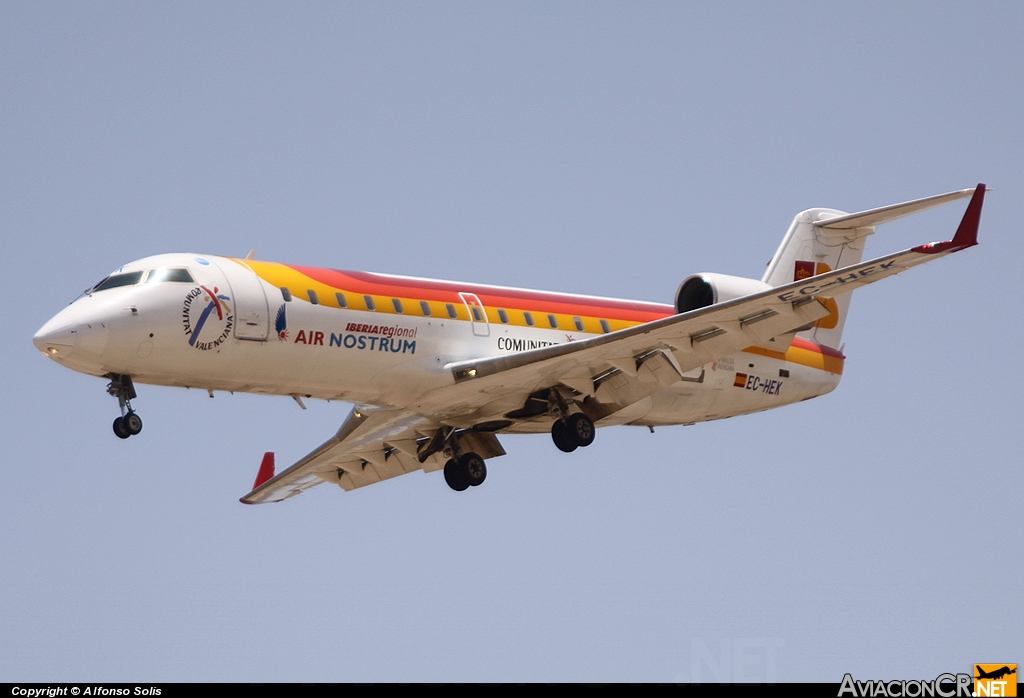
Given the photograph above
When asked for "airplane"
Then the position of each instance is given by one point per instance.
(995, 674)
(436, 370)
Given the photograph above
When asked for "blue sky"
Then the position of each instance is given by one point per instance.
(610, 149)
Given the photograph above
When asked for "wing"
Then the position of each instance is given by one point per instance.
(620, 368)
(371, 445)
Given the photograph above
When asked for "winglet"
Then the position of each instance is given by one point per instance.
(266, 469)
(967, 233)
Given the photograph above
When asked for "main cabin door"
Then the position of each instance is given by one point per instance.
(477, 314)
(251, 310)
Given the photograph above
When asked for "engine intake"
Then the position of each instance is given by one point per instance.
(702, 290)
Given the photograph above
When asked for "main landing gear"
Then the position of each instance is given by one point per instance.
(467, 471)
(464, 468)
(570, 431)
(129, 423)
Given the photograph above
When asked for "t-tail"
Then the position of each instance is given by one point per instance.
(823, 239)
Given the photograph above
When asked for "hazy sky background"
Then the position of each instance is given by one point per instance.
(610, 149)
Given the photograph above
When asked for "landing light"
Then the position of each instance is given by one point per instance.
(52, 351)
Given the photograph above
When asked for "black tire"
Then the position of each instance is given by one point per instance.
(562, 438)
(581, 429)
(474, 470)
(132, 423)
(454, 476)
(120, 430)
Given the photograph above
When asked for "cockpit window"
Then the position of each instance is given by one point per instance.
(114, 280)
(174, 275)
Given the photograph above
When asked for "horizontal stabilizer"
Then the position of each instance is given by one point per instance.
(877, 216)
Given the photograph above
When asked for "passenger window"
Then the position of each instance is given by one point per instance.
(370, 305)
(398, 305)
(502, 315)
(312, 297)
(341, 300)
(286, 294)
(553, 321)
(528, 317)
(425, 307)
(604, 326)
(477, 315)
(451, 310)
(578, 323)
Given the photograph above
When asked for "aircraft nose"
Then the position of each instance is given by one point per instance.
(56, 339)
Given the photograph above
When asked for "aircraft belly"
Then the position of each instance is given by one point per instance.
(736, 385)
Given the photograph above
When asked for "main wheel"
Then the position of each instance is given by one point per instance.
(120, 429)
(132, 423)
(454, 476)
(562, 437)
(581, 429)
(473, 468)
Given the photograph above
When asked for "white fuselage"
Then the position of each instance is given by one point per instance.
(156, 333)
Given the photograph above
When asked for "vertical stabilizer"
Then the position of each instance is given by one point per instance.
(810, 249)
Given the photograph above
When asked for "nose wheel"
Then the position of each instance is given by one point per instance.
(129, 423)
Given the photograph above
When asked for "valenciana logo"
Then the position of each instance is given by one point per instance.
(207, 318)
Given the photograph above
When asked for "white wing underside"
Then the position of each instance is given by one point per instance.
(615, 369)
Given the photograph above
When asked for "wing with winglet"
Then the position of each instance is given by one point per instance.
(643, 359)
(372, 445)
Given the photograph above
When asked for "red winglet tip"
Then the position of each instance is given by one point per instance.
(266, 469)
(967, 233)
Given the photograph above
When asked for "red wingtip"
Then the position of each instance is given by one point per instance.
(967, 233)
(266, 469)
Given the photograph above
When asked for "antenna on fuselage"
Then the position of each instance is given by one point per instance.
(251, 255)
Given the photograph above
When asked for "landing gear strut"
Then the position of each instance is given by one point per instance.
(129, 423)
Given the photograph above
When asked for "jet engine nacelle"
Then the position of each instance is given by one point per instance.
(702, 290)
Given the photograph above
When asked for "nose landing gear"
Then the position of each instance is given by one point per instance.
(129, 423)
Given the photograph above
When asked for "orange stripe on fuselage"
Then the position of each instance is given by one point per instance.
(619, 314)
(806, 354)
